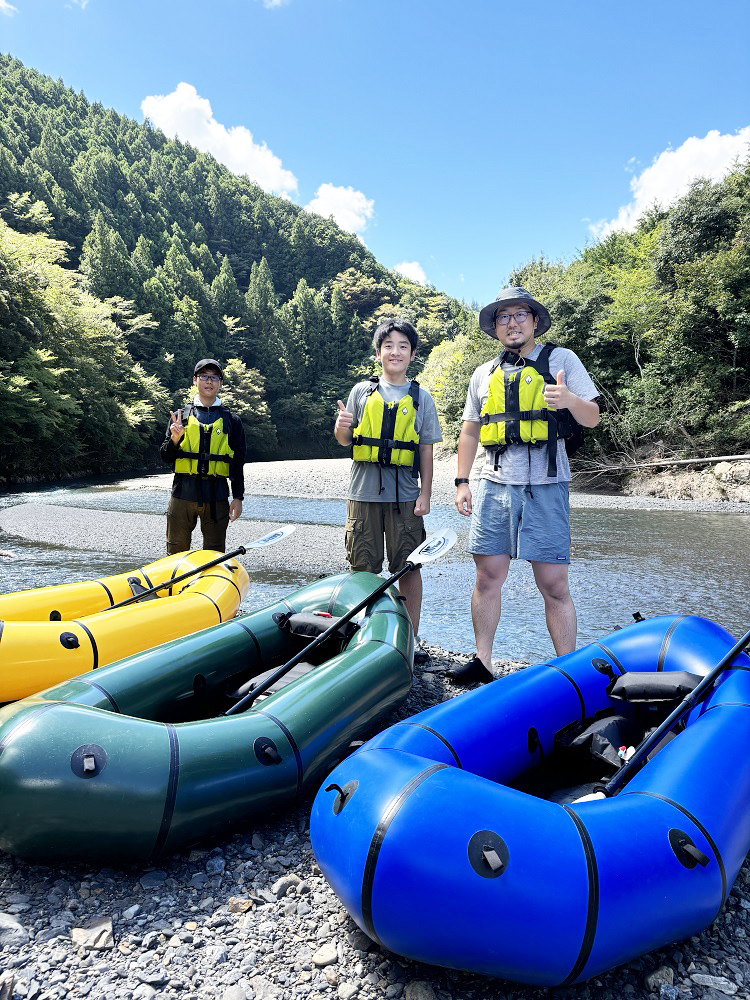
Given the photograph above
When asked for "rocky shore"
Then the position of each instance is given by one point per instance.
(250, 916)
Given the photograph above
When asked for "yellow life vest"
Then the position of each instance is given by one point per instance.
(204, 450)
(387, 434)
(516, 411)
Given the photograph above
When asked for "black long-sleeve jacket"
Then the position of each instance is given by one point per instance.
(203, 489)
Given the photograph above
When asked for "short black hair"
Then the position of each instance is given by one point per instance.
(402, 325)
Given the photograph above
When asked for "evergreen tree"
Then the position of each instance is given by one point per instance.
(262, 341)
(226, 294)
(243, 392)
(105, 261)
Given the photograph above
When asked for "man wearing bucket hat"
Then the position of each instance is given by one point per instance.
(519, 407)
(205, 445)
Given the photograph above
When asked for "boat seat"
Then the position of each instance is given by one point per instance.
(306, 627)
(647, 686)
(309, 625)
(137, 588)
(297, 671)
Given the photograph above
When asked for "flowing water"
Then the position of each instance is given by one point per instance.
(624, 561)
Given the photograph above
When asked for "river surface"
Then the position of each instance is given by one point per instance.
(624, 561)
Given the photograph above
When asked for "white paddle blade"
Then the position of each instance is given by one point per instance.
(272, 537)
(433, 547)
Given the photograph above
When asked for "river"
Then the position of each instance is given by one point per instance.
(624, 561)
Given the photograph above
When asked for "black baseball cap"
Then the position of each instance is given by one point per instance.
(209, 363)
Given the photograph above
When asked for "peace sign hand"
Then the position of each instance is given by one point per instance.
(176, 428)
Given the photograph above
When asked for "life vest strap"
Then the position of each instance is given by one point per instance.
(495, 418)
(211, 457)
(389, 443)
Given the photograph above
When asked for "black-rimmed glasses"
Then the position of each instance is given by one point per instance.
(520, 317)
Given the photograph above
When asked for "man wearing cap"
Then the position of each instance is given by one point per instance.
(519, 407)
(205, 445)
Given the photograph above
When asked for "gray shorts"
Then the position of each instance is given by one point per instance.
(523, 522)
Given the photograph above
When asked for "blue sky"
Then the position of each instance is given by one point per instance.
(459, 139)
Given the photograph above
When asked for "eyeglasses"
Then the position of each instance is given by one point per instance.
(520, 317)
(210, 378)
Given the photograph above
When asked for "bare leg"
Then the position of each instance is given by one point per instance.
(559, 610)
(410, 586)
(486, 602)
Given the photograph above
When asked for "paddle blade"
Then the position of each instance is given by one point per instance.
(272, 537)
(433, 547)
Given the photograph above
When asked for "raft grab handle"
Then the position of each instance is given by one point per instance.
(488, 854)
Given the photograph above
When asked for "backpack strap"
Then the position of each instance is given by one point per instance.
(414, 393)
(541, 364)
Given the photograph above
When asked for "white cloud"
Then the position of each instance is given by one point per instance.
(670, 175)
(188, 116)
(272, 4)
(350, 209)
(8, 9)
(413, 270)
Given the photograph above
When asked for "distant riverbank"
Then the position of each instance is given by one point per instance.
(318, 548)
(318, 478)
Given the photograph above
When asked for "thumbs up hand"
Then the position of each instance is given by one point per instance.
(558, 395)
(342, 429)
(344, 419)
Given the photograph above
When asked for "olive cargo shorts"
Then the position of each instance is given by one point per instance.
(367, 523)
(182, 517)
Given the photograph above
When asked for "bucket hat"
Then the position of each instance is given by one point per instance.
(209, 363)
(487, 315)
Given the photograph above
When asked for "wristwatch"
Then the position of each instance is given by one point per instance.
(457, 482)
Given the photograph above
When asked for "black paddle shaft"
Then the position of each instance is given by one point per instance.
(178, 579)
(615, 783)
(286, 667)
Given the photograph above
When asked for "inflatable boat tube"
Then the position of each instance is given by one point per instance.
(455, 837)
(136, 760)
(53, 633)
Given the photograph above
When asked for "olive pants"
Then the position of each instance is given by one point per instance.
(182, 517)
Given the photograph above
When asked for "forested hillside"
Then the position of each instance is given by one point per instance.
(661, 318)
(180, 259)
(125, 256)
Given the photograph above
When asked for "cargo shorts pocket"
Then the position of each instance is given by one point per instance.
(353, 536)
(360, 552)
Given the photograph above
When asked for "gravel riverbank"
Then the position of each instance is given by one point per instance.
(250, 916)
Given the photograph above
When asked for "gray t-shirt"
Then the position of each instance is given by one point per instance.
(519, 464)
(374, 483)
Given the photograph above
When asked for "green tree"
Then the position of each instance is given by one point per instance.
(226, 294)
(105, 261)
(243, 392)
